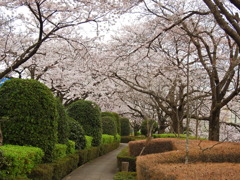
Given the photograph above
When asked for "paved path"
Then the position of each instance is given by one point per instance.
(101, 168)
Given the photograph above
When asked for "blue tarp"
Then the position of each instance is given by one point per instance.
(3, 80)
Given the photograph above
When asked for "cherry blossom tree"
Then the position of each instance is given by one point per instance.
(31, 23)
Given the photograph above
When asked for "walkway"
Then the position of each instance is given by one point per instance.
(101, 168)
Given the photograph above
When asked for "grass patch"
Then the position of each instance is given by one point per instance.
(125, 176)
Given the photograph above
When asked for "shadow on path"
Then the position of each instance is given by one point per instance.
(101, 168)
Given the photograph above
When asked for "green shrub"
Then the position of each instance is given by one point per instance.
(125, 126)
(19, 160)
(109, 125)
(31, 109)
(93, 153)
(42, 172)
(76, 133)
(126, 139)
(118, 123)
(64, 166)
(181, 136)
(125, 176)
(88, 141)
(117, 138)
(146, 124)
(83, 156)
(115, 116)
(63, 126)
(70, 147)
(57, 170)
(124, 156)
(60, 151)
(87, 113)
(105, 148)
(107, 139)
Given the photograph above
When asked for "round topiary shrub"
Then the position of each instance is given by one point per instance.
(63, 127)
(109, 126)
(88, 114)
(148, 125)
(115, 116)
(117, 119)
(76, 133)
(30, 108)
(125, 126)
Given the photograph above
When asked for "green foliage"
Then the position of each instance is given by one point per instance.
(126, 139)
(125, 176)
(71, 147)
(56, 170)
(64, 166)
(117, 138)
(124, 156)
(60, 168)
(181, 136)
(107, 139)
(109, 125)
(19, 160)
(118, 123)
(146, 124)
(31, 109)
(116, 118)
(105, 148)
(87, 113)
(125, 126)
(76, 133)
(88, 141)
(42, 172)
(59, 151)
(63, 126)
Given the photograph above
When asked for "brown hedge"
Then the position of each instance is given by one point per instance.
(205, 157)
(151, 147)
(197, 171)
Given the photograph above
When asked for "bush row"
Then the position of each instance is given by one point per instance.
(205, 158)
(181, 136)
(149, 146)
(17, 161)
(62, 167)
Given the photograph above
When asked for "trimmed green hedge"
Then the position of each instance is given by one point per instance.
(77, 133)
(107, 139)
(116, 119)
(126, 139)
(117, 138)
(60, 151)
(33, 119)
(88, 142)
(124, 156)
(109, 125)
(88, 114)
(181, 136)
(70, 147)
(19, 160)
(63, 126)
(62, 167)
(125, 126)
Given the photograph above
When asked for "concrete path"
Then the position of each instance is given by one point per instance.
(101, 168)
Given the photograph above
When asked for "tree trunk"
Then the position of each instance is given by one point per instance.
(214, 125)
(177, 126)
